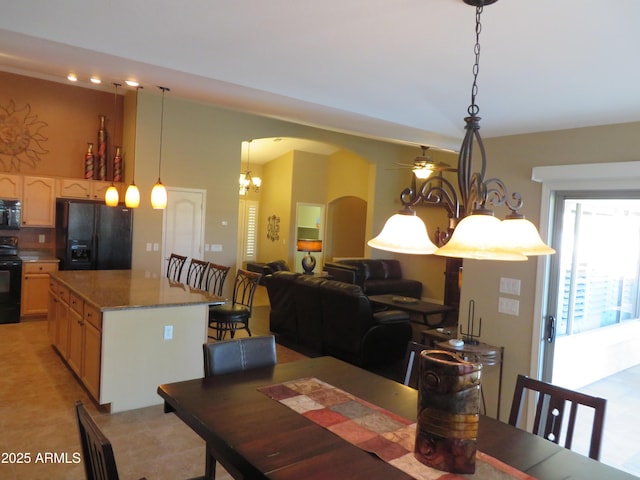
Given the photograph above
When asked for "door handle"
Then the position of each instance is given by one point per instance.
(551, 329)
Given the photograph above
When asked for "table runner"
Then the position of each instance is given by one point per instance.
(374, 429)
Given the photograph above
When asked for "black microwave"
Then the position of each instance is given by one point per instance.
(10, 214)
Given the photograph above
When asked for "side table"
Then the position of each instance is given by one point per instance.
(487, 355)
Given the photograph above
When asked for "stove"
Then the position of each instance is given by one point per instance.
(10, 280)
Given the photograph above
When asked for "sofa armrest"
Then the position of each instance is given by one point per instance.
(390, 316)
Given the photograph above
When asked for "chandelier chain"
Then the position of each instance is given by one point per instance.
(473, 109)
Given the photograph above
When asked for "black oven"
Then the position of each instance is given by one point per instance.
(10, 280)
(10, 213)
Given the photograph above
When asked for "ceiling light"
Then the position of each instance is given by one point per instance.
(131, 83)
(96, 80)
(72, 77)
(473, 232)
(247, 181)
(159, 192)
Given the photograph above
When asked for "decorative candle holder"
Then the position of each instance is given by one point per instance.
(448, 412)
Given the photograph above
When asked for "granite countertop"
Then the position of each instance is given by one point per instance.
(123, 289)
(37, 256)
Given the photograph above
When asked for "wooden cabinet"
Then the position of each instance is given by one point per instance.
(39, 202)
(75, 328)
(84, 189)
(35, 287)
(11, 186)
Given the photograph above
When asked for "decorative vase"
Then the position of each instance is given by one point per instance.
(89, 162)
(117, 166)
(448, 412)
(101, 171)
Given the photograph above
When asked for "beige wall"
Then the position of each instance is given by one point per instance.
(512, 159)
(276, 200)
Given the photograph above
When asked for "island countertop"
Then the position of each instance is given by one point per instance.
(124, 289)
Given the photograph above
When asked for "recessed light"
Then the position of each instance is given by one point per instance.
(95, 80)
(131, 83)
(72, 78)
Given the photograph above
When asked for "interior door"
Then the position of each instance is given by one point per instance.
(183, 224)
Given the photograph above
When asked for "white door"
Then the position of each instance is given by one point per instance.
(183, 224)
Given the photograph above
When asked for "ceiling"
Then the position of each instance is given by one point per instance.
(397, 70)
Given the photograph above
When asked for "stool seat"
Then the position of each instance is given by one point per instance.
(228, 312)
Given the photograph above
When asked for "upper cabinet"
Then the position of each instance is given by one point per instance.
(39, 202)
(11, 186)
(84, 189)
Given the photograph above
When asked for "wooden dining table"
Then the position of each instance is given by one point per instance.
(254, 436)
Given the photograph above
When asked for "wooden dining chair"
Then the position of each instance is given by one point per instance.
(174, 267)
(196, 273)
(551, 404)
(234, 315)
(412, 363)
(215, 277)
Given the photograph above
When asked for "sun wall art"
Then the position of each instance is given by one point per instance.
(21, 140)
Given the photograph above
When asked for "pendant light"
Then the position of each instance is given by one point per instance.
(111, 196)
(132, 195)
(159, 192)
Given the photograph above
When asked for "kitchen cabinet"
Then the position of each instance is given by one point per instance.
(11, 186)
(35, 287)
(84, 189)
(75, 328)
(39, 201)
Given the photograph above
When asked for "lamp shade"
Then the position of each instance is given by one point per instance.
(309, 245)
(132, 196)
(111, 196)
(521, 235)
(479, 237)
(404, 233)
(159, 196)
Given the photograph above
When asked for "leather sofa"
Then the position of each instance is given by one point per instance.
(328, 317)
(375, 277)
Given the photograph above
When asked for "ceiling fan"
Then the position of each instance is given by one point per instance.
(423, 165)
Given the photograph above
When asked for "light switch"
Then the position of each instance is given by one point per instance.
(148, 247)
(168, 332)
(509, 306)
(510, 286)
(216, 247)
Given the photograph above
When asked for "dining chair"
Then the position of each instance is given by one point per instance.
(235, 355)
(412, 363)
(97, 451)
(239, 354)
(196, 272)
(551, 403)
(234, 315)
(215, 277)
(174, 267)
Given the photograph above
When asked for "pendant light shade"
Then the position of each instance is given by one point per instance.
(159, 192)
(111, 196)
(159, 196)
(404, 232)
(132, 196)
(478, 236)
(522, 235)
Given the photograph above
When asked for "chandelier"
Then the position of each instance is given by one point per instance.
(247, 181)
(473, 231)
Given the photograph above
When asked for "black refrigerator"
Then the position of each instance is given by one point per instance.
(93, 236)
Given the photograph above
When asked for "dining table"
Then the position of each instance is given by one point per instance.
(252, 435)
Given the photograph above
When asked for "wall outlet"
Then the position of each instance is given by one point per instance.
(40, 238)
(168, 332)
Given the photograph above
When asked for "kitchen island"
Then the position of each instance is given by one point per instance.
(124, 332)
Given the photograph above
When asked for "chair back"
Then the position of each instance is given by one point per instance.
(214, 278)
(245, 288)
(97, 453)
(240, 354)
(195, 273)
(174, 267)
(412, 363)
(551, 404)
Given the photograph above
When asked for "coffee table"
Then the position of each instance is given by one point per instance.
(414, 305)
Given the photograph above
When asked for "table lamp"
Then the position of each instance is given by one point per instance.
(309, 261)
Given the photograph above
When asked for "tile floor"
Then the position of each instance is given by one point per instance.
(37, 394)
